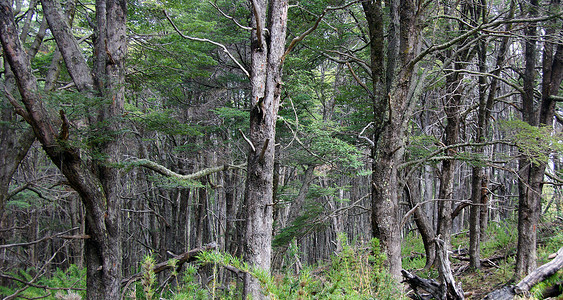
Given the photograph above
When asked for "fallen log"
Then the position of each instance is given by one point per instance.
(185, 257)
(526, 284)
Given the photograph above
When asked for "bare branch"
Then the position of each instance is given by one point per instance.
(365, 137)
(301, 143)
(258, 23)
(515, 86)
(476, 29)
(191, 38)
(248, 141)
(358, 79)
(152, 211)
(37, 241)
(162, 170)
(351, 57)
(435, 153)
(229, 17)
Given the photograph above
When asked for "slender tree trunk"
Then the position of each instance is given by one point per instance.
(528, 199)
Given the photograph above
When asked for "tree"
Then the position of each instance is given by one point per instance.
(394, 91)
(531, 172)
(96, 181)
(268, 48)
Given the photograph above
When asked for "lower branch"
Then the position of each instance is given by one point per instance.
(162, 170)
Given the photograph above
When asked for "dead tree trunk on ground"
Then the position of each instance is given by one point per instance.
(526, 284)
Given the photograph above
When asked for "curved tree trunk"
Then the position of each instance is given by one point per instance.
(97, 183)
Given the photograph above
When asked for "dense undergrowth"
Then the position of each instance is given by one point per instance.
(356, 272)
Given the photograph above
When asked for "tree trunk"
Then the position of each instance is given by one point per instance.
(393, 96)
(98, 184)
(531, 174)
(266, 88)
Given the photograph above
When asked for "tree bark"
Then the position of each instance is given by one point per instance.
(266, 70)
(392, 98)
(532, 173)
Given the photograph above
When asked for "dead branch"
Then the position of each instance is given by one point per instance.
(37, 241)
(248, 141)
(540, 274)
(258, 23)
(363, 85)
(365, 137)
(508, 292)
(229, 17)
(444, 290)
(181, 259)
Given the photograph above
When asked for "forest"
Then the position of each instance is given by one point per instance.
(281, 149)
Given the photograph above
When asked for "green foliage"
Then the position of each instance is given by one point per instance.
(536, 143)
(68, 282)
(189, 287)
(357, 272)
(412, 252)
(501, 235)
(555, 241)
(308, 221)
(24, 199)
(164, 121)
(420, 146)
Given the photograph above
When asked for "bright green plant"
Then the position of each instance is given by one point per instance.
(412, 251)
(148, 278)
(356, 272)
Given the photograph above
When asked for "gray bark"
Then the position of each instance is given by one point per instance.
(266, 69)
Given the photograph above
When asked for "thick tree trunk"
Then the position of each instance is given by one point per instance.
(266, 88)
(531, 174)
(392, 97)
(97, 186)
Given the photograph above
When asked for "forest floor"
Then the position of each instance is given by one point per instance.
(498, 255)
